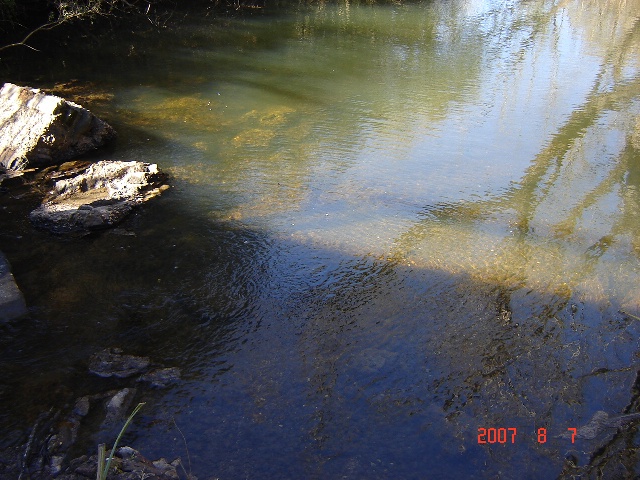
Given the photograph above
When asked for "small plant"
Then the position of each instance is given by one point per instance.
(103, 470)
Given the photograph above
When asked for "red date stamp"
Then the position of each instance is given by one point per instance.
(497, 435)
(508, 435)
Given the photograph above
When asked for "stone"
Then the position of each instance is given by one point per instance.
(38, 130)
(98, 197)
(55, 464)
(12, 304)
(82, 406)
(166, 468)
(126, 453)
(113, 363)
(127, 464)
(160, 377)
(118, 405)
(10, 178)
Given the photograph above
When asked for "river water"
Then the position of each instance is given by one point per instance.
(389, 227)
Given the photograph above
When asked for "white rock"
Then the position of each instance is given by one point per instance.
(38, 130)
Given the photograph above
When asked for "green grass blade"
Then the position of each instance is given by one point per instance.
(115, 445)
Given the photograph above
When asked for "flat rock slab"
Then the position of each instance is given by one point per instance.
(12, 304)
(113, 363)
(39, 130)
(97, 196)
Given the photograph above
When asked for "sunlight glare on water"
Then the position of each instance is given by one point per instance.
(450, 109)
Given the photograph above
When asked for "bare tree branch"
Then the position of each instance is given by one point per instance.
(68, 11)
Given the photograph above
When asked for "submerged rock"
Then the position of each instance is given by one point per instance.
(118, 405)
(113, 363)
(97, 197)
(38, 130)
(599, 423)
(160, 377)
(12, 304)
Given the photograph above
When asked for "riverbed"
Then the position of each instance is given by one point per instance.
(401, 241)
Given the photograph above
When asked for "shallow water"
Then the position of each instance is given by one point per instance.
(389, 226)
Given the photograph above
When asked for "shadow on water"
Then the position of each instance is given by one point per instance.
(305, 362)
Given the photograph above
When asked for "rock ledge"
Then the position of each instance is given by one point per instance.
(39, 130)
(98, 197)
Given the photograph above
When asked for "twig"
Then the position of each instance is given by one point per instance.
(22, 43)
(185, 447)
(64, 17)
(629, 315)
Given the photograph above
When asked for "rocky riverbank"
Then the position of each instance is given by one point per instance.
(46, 453)
(40, 135)
(44, 131)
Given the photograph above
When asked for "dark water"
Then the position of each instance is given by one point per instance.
(389, 227)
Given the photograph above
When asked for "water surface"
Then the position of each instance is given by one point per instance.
(389, 226)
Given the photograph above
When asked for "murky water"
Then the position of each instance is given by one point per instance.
(390, 226)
